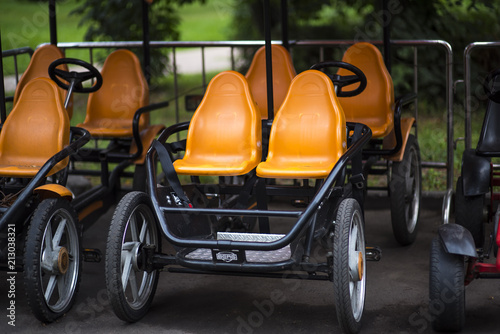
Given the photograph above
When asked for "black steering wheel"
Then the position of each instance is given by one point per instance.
(74, 78)
(341, 81)
(491, 86)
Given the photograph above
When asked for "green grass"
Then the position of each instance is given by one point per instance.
(26, 23)
(432, 139)
(208, 22)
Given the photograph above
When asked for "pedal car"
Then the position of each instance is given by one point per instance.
(460, 252)
(41, 216)
(309, 139)
(393, 150)
(39, 226)
(117, 118)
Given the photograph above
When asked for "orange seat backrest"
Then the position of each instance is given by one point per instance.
(36, 129)
(375, 105)
(39, 67)
(283, 73)
(111, 109)
(224, 135)
(308, 135)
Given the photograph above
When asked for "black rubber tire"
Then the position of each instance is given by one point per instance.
(446, 289)
(37, 279)
(406, 197)
(349, 221)
(469, 213)
(132, 204)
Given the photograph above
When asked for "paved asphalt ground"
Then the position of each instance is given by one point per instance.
(396, 300)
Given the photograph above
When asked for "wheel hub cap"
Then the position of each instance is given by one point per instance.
(360, 266)
(63, 260)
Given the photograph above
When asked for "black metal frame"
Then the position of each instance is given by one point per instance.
(328, 196)
(398, 108)
(114, 153)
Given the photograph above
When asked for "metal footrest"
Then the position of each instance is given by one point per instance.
(237, 256)
(373, 253)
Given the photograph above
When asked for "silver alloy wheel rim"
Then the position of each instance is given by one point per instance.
(357, 282)
(137, 284)
(60, 250)
(412, 190)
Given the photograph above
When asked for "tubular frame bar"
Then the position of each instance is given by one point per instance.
(313, 277)
(324, 192)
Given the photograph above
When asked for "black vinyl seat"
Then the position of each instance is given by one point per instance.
(489, 139)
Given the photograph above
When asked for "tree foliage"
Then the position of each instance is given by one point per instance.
(459, 22)
(121, 20)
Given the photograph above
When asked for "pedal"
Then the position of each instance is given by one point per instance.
(373, 253)
(92, 255)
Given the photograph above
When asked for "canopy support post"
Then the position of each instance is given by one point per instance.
(269, 61)
(3, 111)
(145, 41)
(53, 22)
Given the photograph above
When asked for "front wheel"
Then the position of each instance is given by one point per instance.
(349, 265)
(131, 288)
(405, 192)
(446, 288)
(52, 259)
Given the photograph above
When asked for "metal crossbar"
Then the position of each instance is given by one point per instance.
(321, 45)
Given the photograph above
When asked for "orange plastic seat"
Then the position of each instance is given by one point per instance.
(36, 129)
(111, 109)
(224, 136)
(308, 135)
(375, 105)
(283, 73)
(39, 67)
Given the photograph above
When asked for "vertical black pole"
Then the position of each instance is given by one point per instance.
(269, 60)
(145, 40)
(3, 111)
(53, 23)
(386, 27)
(284, 24)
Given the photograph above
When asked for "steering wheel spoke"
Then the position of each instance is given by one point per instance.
(341, 81)
(349, 80)
(75, 78)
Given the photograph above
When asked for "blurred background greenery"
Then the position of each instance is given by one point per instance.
(459, 22)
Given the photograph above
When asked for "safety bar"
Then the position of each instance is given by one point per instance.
(136, 132)
(400, 103)
(10, 53)
(14, 53)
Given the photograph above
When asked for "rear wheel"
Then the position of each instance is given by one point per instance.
(446, 288)
(406, 191)
(52, 259)
(349, 265)
(469, 213)
(133, 227)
